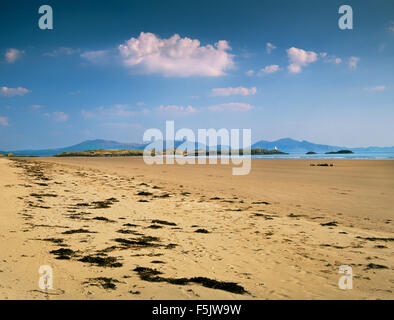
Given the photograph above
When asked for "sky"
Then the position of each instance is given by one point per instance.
(113, 69)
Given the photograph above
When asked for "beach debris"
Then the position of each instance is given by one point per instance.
(152, 275)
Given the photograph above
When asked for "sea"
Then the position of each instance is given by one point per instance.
(366, 155)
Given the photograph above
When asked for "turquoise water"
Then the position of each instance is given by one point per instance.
(357, 155)
(301, 155)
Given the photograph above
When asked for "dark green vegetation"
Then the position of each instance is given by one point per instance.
(311, 152)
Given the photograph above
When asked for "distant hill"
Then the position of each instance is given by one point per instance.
(284, 145)
(98, 144)
(83, 146)
(291, 145)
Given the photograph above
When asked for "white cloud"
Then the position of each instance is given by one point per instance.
(377, 88)
(62, 51)
(232, 106)
(13, 54)
(36, 107)
(177, 109)
(117, 110)
(225, 92)
(176, 56)
(249, 73)
(353, 61)
(3, 121)
(60, 116)
(269, 69)
(57, 116)
(331, 58)
(11, 92)
(96, 57)
(122, 125)
(269, 47)
(299, 58)
(75, 93)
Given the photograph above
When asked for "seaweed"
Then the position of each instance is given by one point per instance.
(201, 231)
(152, 275)
(77, 231)
(102, 262)
(105, 283)
(330, 224)
(164, 222)
(144, 193)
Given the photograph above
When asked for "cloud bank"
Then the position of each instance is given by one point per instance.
(225, 92)
(11, 92)
(3, 121)
(176, 56)
(232, 106)
(299, 58)
(12, 55)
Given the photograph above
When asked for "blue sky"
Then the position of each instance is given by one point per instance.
(112, 69)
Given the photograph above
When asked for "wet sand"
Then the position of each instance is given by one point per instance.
(115, 228)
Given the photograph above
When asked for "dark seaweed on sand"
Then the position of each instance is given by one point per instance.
(375, 239)
(329, 224)
(152, 275)
(77, 231)
(375, 266)
(105, 283)
(164, 222)
(102, 262)
(144, 193)
(63, 254)
(103, 219)
(143, 241)
(201, 231)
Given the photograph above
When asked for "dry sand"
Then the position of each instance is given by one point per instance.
(265, 235)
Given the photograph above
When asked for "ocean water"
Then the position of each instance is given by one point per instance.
(357, 155)
(369, 155)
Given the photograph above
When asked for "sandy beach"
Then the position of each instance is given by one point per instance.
(115, 228)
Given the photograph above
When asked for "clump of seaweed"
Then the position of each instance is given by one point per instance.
(105, 283)
(164, 222)
(77, 231)
(141, 242)
(54, 240)
(375, 239)
(375, 266)
(330, 224)
(103, 219)
(144, 193)
(154, 226)
(152, 275)
(102, 261)
(201, 231)
(63, 254)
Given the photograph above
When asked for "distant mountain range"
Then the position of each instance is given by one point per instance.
(285, 145)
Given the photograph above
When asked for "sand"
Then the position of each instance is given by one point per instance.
(115, 228)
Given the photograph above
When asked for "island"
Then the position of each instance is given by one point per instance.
(133, 153)
(340, 152)
(311, 152)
